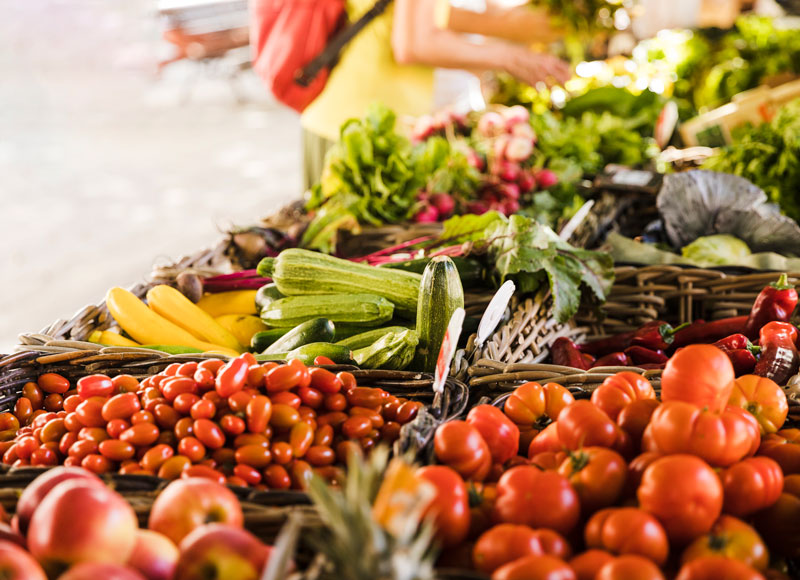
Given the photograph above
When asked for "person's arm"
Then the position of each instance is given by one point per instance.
(417, 40)
(525, 24)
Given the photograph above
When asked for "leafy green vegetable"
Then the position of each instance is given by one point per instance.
(769, 156)
(716, 250)
(469, 227)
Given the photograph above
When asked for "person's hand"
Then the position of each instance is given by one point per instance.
(535, 67)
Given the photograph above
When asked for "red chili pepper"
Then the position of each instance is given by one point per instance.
(779, 358)
(707, 332)
(734, 342)
(588, 359)
(615, 359)
(604, 346)
(742, 359)
(656, 335)
(641, 355)
(775, 303)
(566, 353)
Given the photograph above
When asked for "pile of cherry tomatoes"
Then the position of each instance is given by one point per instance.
(700, 484)
(243, 423)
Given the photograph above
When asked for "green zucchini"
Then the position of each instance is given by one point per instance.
(267, 294)
(260, 341)
(393, 351)
(308, 352)
(346, 309)
(315, 330)
(298, 272)
(367, 338)
(470, 271)
(440, 294)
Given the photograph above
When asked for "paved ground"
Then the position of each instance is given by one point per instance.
(104, 168)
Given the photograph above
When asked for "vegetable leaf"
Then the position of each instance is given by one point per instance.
(469, 227)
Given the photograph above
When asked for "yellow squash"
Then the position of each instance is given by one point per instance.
(233, 302)
(147, 327)
(109, 338)
(169, 303)
(242, 326)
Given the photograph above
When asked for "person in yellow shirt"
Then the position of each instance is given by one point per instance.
(392, 61)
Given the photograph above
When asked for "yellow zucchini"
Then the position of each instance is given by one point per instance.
(147, 327)
(242, 326)
(168, 302)
(233, 302)
(109, 338)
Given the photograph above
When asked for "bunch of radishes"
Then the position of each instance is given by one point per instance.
(438, 124)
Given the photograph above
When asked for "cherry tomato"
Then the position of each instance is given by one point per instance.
(503, 544)
(334, 419)
(258, 456)
(259, 411)
(535, 568)
(301, 473)
(238, 401)
(276, 477)
(204, 379)
(589, 563)
(283, 416)
(460, 445)
(97, 463)
(408, 411)
(628, 530)
(79, 449)
(325, 381)
(125, 384)
(95, 386)
(53, 402)
(731, 538)
(121, 406)
(203, 471)
(203, 409)
(248, 474)
(449, 505)
(142, 417)
(191, 448)
(286, 398)
(44, 456)
(251, 439)
(184, 428)
(184, 401)
(522, 488)
(700, 374)
(209, 433)
(232, 425)
(154, 458)
(323, 360)
(53, 430)
(232, 377)
(34, 394)
(116, 450)
(390, 432)
(90, 412)
(53, 383)
(356, 427)
(335, 402)
(285, 377)
(320, 455)
(597, 475)
(716, 567)
(751, 485)
(212, 365)
(499, 432)
(140, 435)
(23, 410)
(281, 452)
(620, 390)
(684, 493)
(301, 437)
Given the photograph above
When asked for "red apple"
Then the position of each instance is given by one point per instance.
(221, 552)
(100, 570)
(17, 564)
(154, 555)
(9, 534)
(33, 495)
(186, 504)
(80, 521)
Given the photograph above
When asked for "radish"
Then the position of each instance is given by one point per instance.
(500, 146)
(519, 149)
(422, 195)
(509, 190)
(545, 178)
(443, 203)
(427, 214)
(491, 124)
(423, 128)
(509, 207)
(508, 171)
(524, 130)
(477, 207)
(516, 114)
(476, 160)
(526, 181)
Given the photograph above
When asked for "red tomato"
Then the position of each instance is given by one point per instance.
(259, 413)
(116, 450)
(533, 406)
(203, 471)
(121, 406)
(700, 374)
(191, 448)
(554, 543)
(730, 538)
(285, 377)
(634, 418)
(203, 409)
(545, 441)
(140, 435)
(628, 530)
(620, 390)
(629, 568)
(449, 506)
(720, 439)
(535, 568)
(523, 490)
(751, 485)
(276, 477)
(256, 456)
(90, 412)
(717, 567)
(95, 386)
(583, 424)
(499, 432)
(232, 377)
(325, 381)
(597, 475)
(763, 398)
(783, 447)
(684, 493)
(589, 563)
(209, 433)
(502, 544)
(459, 445)
(232, 425)
(155, 457)
(53, 383)
(779, 524)
(636, 469)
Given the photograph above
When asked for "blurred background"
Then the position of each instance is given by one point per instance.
(105, 164)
